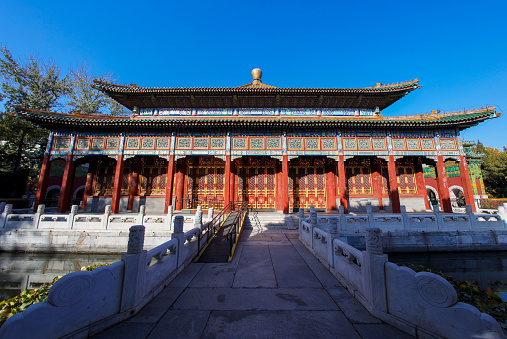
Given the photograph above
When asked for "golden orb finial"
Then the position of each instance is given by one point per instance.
(256, 75)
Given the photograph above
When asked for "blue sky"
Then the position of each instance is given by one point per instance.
(457, 49)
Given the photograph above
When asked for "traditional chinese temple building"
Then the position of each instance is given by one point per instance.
(280, 149)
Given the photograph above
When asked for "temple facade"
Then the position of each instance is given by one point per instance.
(280, 149)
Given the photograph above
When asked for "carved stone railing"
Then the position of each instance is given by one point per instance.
(411, 221)
(422, 304)
(89, 221)
(83, 303)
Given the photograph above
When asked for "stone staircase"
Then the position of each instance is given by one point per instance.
(270, 221)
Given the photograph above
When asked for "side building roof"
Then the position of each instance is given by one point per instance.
(64, 121)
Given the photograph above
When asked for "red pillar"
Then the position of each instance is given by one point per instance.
(377, 182)
(118, 179)
(134, 183)
(232, 182)
(285, 184)
(466, 182)
(330, 186)
(279, 205)
(227, 178)
(443, 186)
(88, 191)
(421, 185)
(179, 186)
(45, 170)
(169, 184)
(393, 185)
(66, 188)
(342, 183)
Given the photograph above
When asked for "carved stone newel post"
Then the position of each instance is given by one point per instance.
(135, 269)
(374, 260)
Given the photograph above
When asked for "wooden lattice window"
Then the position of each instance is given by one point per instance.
(358, 180)
(406, 179)
(153, 180)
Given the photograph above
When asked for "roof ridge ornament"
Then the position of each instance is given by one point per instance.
(256, 76)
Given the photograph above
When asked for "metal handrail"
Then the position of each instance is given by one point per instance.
(234, 231)
(209, 230)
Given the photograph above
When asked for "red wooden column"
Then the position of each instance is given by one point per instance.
(118, 180)
(419, 179)
(466, 182)
(88, 191)
(66, 188)
(278, 192)
(330, 186)
(443, 186)
(232, 182)
(180, 177)
(342, 183)
(45, 169)
(393, 185)
(285, 184)
(169, 184)
(134, 183)
(227, 178)
(377, 182)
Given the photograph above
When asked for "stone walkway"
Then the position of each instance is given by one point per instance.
(273, 288)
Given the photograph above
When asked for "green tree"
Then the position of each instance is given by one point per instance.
(494, 170)
(31, 84)
(88, 100)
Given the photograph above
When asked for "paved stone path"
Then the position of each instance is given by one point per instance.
(274, 288)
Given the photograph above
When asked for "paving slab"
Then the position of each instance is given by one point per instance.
(290, 269)
(279, 324)
(214, 275)
(255, 268)
(375, 331)
(126, 330)
(187, 275)
(180, 324)
(153, 311)
(325, 277)
(352, 308)
(255, 299)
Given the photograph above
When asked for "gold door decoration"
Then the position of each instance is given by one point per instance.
(406, 180)
(257, 186)
(153, 180)
(307, 184)
(358, 180)
(206, 184)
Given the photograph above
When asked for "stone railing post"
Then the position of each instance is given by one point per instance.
(438, 217)
(211, 213)
(142, 213)
(178, 234)
(502, 212)
(404, 217)
(73, 212)
(343, 218)
(2, 206)
(105, 218)
(36, 217)
(334, 233)
(373, 270)
(314, 221)
(301, 218)
(134, 275)
(169, 217)
(471, 216)
(198, 217)
(5, 213)
(371, 218)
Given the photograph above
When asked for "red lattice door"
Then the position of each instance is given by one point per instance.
(257, 186)
(307, 187)
(206, 184)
